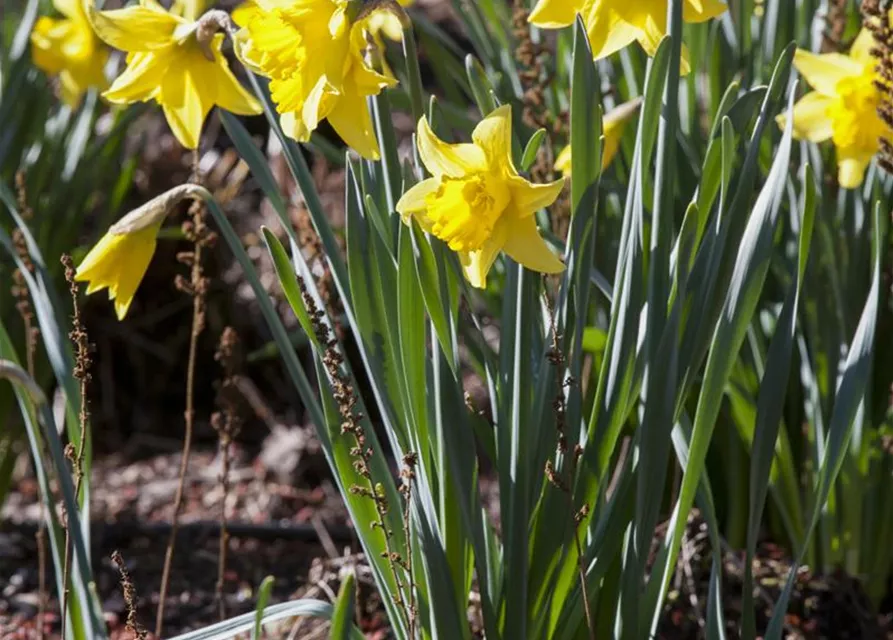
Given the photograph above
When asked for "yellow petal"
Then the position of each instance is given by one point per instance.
(135, 28)
(555, 14)
(608, 32)
(293, 126)
(187, 94)
(851, 167)
(68, 8)
(811, 121)
(862, 46)
(528, 198)
(563, 161)
(441, 158)
(524, 245)
(231, 95)
(245, 12)
(702, 10)
(413, 201)
(119, 262)
(477, 264)
(141, 79)
(190, 9)
(351, 121)
(493, 135)
(824, 71)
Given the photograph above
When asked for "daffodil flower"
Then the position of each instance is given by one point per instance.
(614, 24)
(190, 9)
(843, 107)
(119, 260)
(173, 60)
(315, 57)
(613, 125)
(477, 203)
(68, 48)
(388, 23)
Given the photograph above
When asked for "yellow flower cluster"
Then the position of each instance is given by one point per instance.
(324, 58)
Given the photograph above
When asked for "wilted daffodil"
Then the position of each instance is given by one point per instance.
(315, 54)
(613, 24)
(67, 47)
(477, 203)
(843, 107)
(173, 60)
(613, 125)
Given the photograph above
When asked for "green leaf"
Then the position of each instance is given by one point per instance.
(532, 148)
(342, 616)
(289, 283)
(263, 598)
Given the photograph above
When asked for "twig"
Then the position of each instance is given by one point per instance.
(227, 425)
(19, 291)
(81, 372)
(201, 237)
(132, 624)
(566, 484)
(410, 460)
(346, 398)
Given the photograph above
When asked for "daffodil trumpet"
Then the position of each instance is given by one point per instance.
(284, 41)
(477, 203)
(175, 60)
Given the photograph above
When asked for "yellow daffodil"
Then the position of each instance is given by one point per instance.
(613, 24)
(173, 60)
(612, 129)
(843, 107)
(67, 47)
(119, 262)
(477, 203)
(315, 57)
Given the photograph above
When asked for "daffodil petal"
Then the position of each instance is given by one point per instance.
(141, 79)
(477, 264)
(68, 8)
(862, 46)
(413, 201)
(528, 198)
(851, 168)
(811, 121)
(608, 32)
(524, 245)
(702, 10)
(134, 28)
(231, 95)
(493, 135)
(187, 94)
(441, 158)
(351, 121)
(824, 71)
(563, 161)
(554, 14)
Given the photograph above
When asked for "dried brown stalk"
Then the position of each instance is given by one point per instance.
(197, 286)
(347, 399)
(81, 372)
(566, 483)
(410, 460)
(227, 424)
(132, 624)
(835, 26)
(874, 14)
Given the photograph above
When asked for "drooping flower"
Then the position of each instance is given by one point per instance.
(173, 60)
(315, 55)
(613, 125)
(119, 260)
(67, 47)
(842, 107)
(477, 203)
(614, 24)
